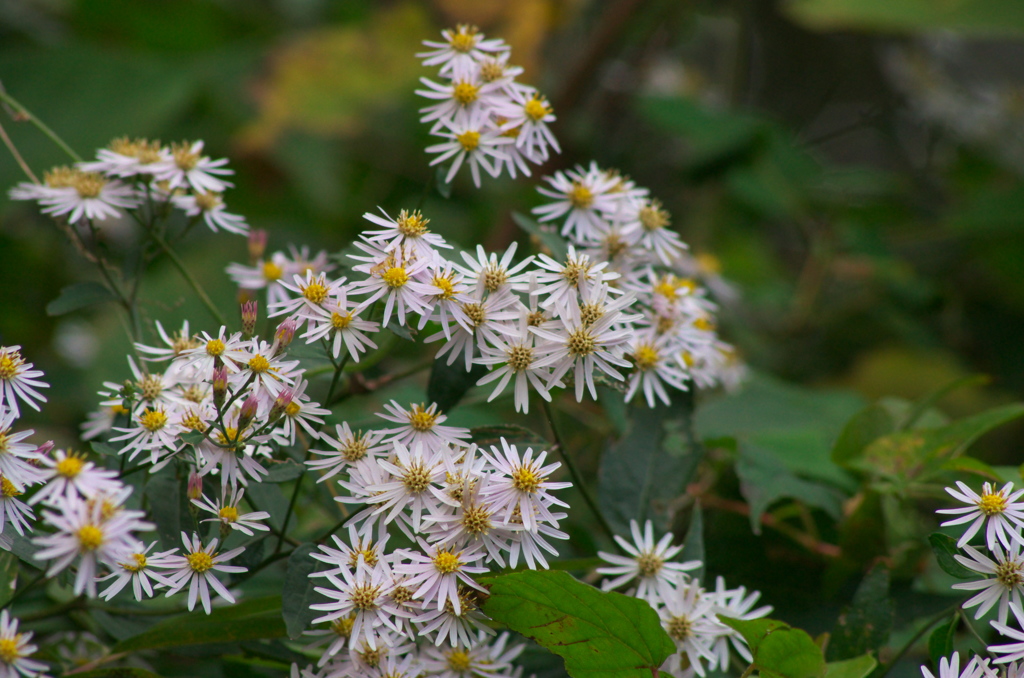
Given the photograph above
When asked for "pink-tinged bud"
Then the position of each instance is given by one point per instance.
(257, 245)
(43, 449)
(281, 403)
(248, 412)
(284, 335)
(195, 486)
(249, 317)
(220, 385)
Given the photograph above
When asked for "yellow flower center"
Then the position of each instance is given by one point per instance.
(465, 93)
(140, 563)
(199, 561)
(446, 562)
(70, 466)
(645, 356)
(992, 504)
(339, 321)
(292, 409)
(649, 564)
(580, 196)
(119, 410)
(9, 649)
(151, 387)
(421, 419)
(343, 626)
(475, 312)
(416, 478)
(315, 292)
(10, 364)
(476, 520)
(7, 488)
(259, 364)
(464, 40)
(536, 108)
(364, 596)
(60, 177)
(581, 343)
(395, 277)
(469, 139)
(153, 420)
(653, 217)
(680, 628)
(519, 357)
(88, 184)
(1009, 574)
(445, 285)
(491, 71)
(412, 225)
(90, 537)
(704, 324)
(272, 271)
(228, 513)
(215, 347)
(526, 479)
(459, 660)
(194, 422)
(207, 201)
(184, 158)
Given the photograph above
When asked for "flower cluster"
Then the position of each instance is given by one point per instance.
(140, 176)
(997, 514)
(689, 613)
(488, 119)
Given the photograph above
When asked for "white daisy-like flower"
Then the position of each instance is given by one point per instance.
(153, 432)
(520, 487)
(137, 569)
(15, 649)
(647, 561)
(473, 521)
(529, 114)
(422, 425)
(481, 323)
(413, 485)
(649, 222)
(455, 627)
(532, 544)
(18, 381)
(228, 515)
(686, 614)
(473, 141)
(214, 351)
(737, 604)
(300, 411)
(1000, 511)
(950, 668)
(361, 591)
(90, 196)
(126, 157)
(213, 210)
(339, 323)
(389, 276)
(590, 197)
(69, 474)
(654, 366)
(480, 659)
(12, 509)
(465, 96)
(408, 232)
(463, 47)
(490, 273)
(514, 356)
(1004, 587)
(1011, 652)
(437, 572)
(445, 292)
(313, 290)
(561, 284)
(348, 448)
(16, 455)
(188, 167)
(358, 549)
(196, 569)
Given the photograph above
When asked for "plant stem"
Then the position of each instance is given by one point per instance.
(17, 156)
(577, 478)
(26, 114)
(180, 265)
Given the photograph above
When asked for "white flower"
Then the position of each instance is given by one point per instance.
(153, 432)
(228, 515)
(737, 604)
(362, 592)
(437, 572)
(467, 96)
(471, 522)
(480, 659)
(90, 196)
(15, 649)
(520, 487)
(414, 476)
(212, 351)
(389, 275)
(214, 212)
(187, 166)
(12, 509)
(127, 158)
(408, 232)
(18, 381)
(589, 197)
(453, 626)
(480, 324)
(565, 283)
(686, 614)
(653, 367)
(196, 569)
(1005, 587)
(137, 569)
(647, 561)
(69, 474)
(529, 114)
(471, 140)
(998, 510)
(463, 46)
(444, 294)
(313, 289)
(339, 323)
(950, 668)
(647, 220)
(515, 356)
(348, 447)
(421, 424)
(15, 455)
(491, 274)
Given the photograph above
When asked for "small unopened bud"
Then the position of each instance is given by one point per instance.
(284, 335)
(281, 403)
(128, 389)
(43, 449)
(249, 318)
(220, 385)
(195, 486)
(257, 245)
(248, 412)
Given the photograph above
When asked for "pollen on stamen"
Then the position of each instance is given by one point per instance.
(470, 140)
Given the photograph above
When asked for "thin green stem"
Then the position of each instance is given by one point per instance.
(17, 156)
(577, 478)
(193, 283)
(40, 125)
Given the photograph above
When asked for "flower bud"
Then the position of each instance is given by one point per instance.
(281, 403)
(43, 449)
(248, 412)
(249, 317)
(257, 245)
(220, 386)
(195, 486)
(284, 335)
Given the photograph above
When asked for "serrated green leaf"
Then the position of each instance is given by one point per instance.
(779, 650)
(940, 642)
(598, 634)
(864, 626)
(548, 235)
(448, 383)
(485, 436)
(79, 295)
(298, 592)
(944, 547)
(637, 475)
(247, 620)
(858, 667)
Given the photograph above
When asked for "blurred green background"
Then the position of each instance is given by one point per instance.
(854, 166)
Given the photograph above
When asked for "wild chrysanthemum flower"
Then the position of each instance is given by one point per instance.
(1000, 511)
(444, 292)
(484, 658)
(389, 276)
(196, 567)
(188, 167)
(520, 487)
(590, 198)
(348, 447)
(687, 615)
(649, 222)
(413, 483)
(212, 351)
(138, 569)
(313, 290)
(513, 355)
(528, 113)
(15, 649)
(228, 515)
(338, 322)
(18, 381)
(472, 521)
(1006, 584)
(474, 141)
(654, 366)
(489, 273)
(213, 210)
(88, 195)
(481, 322)
(435, 573)
(648, 562)
(69, 474)
(360, 591)
(422, 425)
(408, 231)
(152, 431)
(737, 604)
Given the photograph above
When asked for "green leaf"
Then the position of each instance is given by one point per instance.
(598, 634)
(444, 189)
(865, 625)
(79, 295)
(168, 506)
(547, 234)
(298, 593)
(779, 650)
(448, 383)
(124, 672)
(485, 436)
(858, 667)
(988, 17)
(929, 401)
(945, 548)
(8, 577)
(940, 642)
(282, 472)
(638, 476)
(248, 620)
(693, 547)
(863, 429)
(954, 439)
(764, 480)
(103, 449)
(192, 437)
